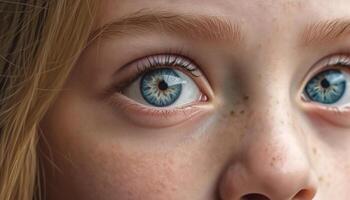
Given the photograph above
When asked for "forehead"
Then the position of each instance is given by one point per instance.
(250, 11)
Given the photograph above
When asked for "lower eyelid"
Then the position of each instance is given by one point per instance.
(155, 117)
(339, 117)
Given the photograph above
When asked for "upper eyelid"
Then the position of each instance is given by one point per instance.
(329, 61)
(340, 60)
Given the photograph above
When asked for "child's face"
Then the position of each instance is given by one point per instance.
(207, 100)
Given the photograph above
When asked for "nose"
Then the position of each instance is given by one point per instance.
(272, 164)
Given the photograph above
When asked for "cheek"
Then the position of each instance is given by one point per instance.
(112, 171)
(106, 170)
(95, 162)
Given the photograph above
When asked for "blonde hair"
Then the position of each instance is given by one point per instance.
(40, 41)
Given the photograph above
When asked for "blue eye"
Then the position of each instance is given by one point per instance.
(327, 87)
(161, 87)
(164, 87)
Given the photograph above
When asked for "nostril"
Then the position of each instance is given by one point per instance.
(304, 194)
(254, 197)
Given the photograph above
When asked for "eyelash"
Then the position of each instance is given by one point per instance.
(146, 64)
(335, 110)
(178, 61)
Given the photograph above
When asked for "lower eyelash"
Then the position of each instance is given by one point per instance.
(337, 110)
(157, 111)
(333, 109)
(156, 117)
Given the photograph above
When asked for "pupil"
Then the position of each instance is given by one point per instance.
(162, 85)
(325, 83)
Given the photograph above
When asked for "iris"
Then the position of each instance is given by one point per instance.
(161, 87)
(327, 87)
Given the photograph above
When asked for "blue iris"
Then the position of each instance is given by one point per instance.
(161, 87)
(327, 87)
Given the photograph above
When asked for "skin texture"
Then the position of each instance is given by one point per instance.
(254, 138)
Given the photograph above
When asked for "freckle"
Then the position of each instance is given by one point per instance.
(314, 150)
(272, 162)
(242, 112)
(232, 113)
(246, 98)
(266, 149)
(275, 159)
(320, 179)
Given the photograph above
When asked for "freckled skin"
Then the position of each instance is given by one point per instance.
(257, 139)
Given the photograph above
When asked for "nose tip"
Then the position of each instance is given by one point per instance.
(280, 171)
(240, 185)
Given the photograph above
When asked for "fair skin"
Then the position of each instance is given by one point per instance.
(251, 134)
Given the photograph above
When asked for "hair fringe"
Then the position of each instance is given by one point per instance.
(40, 43)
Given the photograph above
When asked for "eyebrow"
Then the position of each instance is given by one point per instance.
(210, 28)
(325, 31)
(200, 27)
